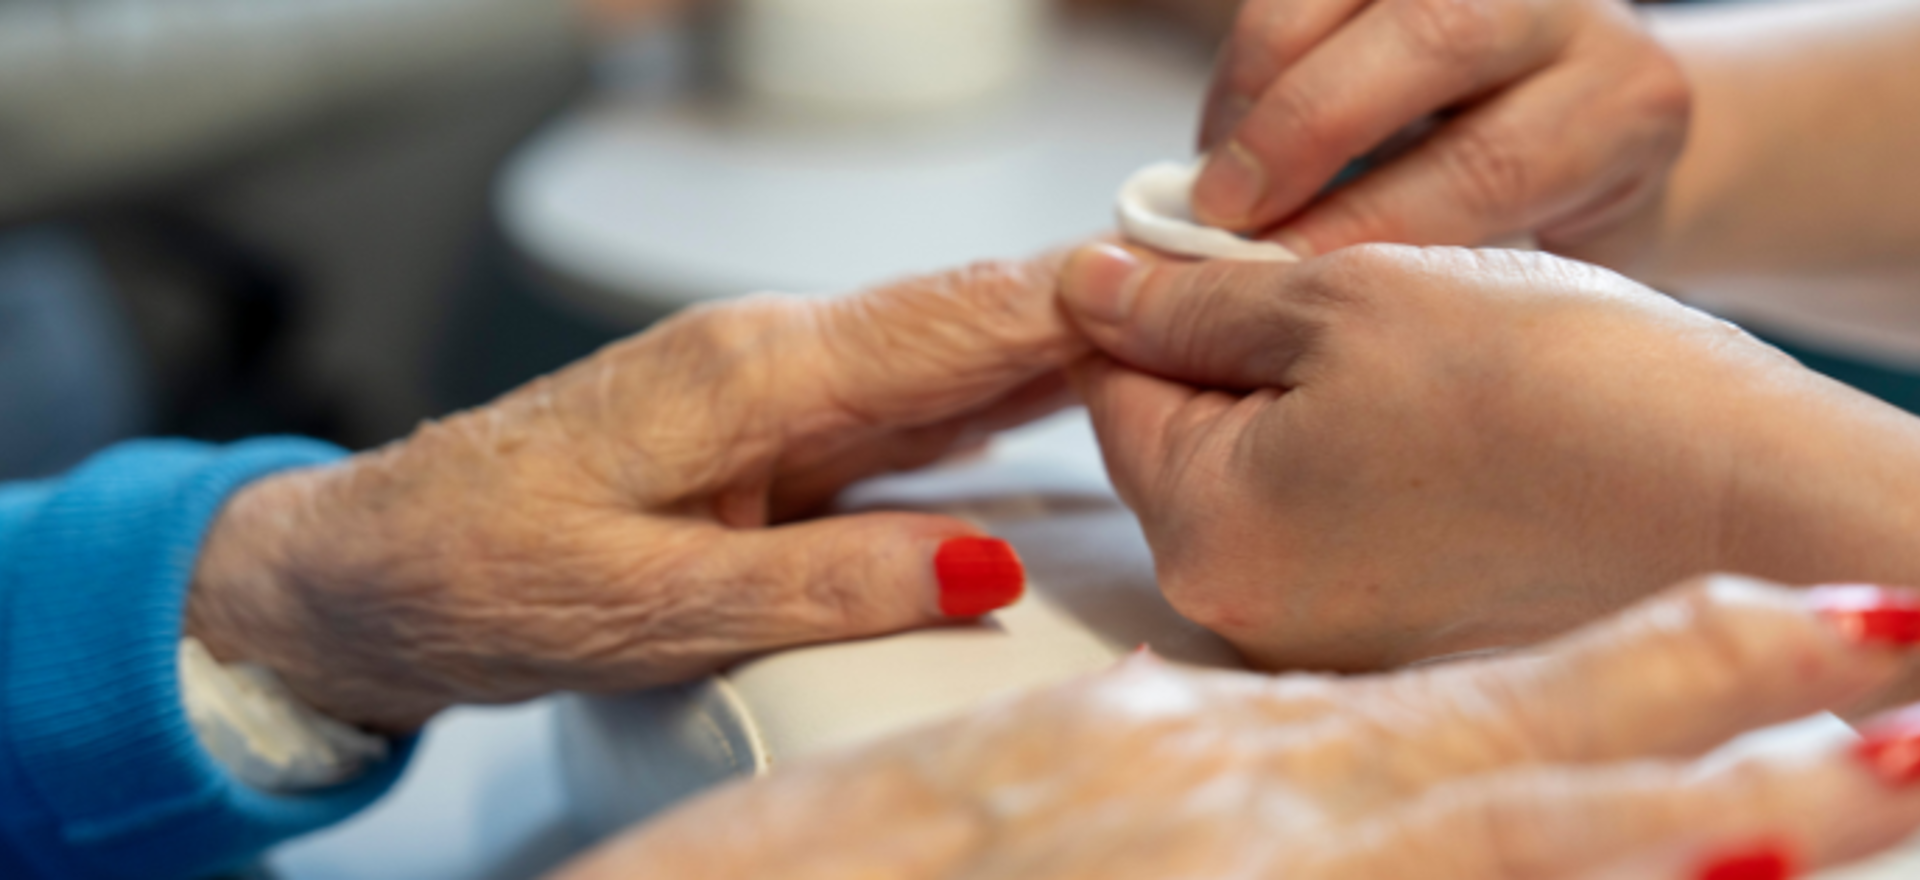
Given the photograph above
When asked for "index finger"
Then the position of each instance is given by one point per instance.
(1392, 65)
(1268, 37)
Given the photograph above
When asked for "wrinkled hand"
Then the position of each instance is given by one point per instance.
(1560, 117)
(617, 525)
(1388, 453)
(1579, 762)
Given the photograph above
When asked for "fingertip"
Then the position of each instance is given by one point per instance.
(1870, 615)
(1224, 112)
(1101, 282)
(977, 574)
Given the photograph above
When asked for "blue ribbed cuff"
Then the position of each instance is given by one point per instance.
(92, 601)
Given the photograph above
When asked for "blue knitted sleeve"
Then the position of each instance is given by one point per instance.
(100, 772)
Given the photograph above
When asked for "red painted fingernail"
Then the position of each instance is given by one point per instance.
(977, 575)
(1890, 747)
(1871, 615)
(1771, 860)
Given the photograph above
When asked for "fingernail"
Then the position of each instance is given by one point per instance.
(1226, 117)
(1229, 188)
(1870, 615)
(977, 575)
(1101, 283)
(1766, 861)
(1890, 747)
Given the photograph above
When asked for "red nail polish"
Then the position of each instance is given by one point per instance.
(1766, 861)
(977, 575)
(1890, 747)
(1871, 615)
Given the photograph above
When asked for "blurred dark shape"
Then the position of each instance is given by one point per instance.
(273, 217)
(69, 374)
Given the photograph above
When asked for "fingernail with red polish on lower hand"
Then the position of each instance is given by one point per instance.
(977, 575)
(1890, 747)
(1871, 615)
(1771, 860)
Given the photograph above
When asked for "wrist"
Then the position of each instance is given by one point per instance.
(255, 599)
(1831, 490)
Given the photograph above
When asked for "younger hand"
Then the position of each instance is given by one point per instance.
(1558, 117)
(1388, 454)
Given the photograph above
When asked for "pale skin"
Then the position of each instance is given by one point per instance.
(1579, 762)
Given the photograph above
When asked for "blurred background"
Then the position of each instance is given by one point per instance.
(221, 218)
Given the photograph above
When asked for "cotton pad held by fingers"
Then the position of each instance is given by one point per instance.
(1155, 209)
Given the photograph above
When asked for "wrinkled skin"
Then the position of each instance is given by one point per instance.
(1389, 453)
(1558, 117)
(617, 525)
(1577, 762)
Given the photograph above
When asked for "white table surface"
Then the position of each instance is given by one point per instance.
(482, 801)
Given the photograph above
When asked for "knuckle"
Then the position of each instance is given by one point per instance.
(1710, 640)
(1455, 32)
(1491, 170)
(995, 305)
(1201, 595)
(1194, 600)
(1519, 839)
(1753, 788)
(1662, 95)
(720, 356)
(1002, 293)
(734, 332)
(1344, 279)
(1309, 124)
(1347, 267)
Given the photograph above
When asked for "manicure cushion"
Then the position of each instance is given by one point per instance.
(1155, 208)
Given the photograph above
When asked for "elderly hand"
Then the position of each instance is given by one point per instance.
(617, 525)
(1580, 762)
(1388, 453)
(1560, 117)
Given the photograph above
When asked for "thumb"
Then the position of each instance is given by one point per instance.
(865, 575)
(1215, 323)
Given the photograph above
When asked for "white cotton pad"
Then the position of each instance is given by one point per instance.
(1156, 210)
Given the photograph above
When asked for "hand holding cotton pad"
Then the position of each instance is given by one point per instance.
(1155, 209)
